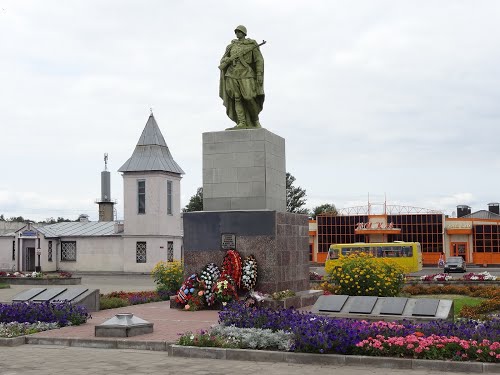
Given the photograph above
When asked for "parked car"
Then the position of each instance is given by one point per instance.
(455, 264)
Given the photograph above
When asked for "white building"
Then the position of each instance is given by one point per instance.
(151, 230)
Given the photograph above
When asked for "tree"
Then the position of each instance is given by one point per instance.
(2, 218)
(326, 208)
(196, 202)
(295, 196)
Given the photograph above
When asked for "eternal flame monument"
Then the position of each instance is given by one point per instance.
(244, 184)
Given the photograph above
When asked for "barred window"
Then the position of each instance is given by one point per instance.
(49, 252)
(141, 196)
(68, 251)
(140, 252)
(13, 250)
(169, 197)
(170, 251)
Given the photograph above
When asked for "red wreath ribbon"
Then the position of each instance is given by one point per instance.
(232, 266)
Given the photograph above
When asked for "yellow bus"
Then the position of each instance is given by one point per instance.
(406, 254)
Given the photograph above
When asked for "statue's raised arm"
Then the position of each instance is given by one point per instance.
(241, 85)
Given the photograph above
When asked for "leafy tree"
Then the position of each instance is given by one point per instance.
(326, 208)
(196, 202)
(295, 196)
(2, 218)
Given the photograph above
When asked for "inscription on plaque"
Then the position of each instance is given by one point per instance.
(426, 307)
(363, 304)
(28, 294)
(332, 303)
(393, 305)
(228, 241)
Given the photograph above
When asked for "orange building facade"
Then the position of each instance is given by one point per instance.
(474, 236)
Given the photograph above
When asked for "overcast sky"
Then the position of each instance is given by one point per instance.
(382, 98)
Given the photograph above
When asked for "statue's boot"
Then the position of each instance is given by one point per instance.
(240, 114)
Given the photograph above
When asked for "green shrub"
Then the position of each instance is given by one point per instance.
(361, 274)
(112, 303)
(168, 275)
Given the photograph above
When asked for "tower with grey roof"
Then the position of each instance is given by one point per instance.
(151, 196)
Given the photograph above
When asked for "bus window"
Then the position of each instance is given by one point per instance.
(407, 251)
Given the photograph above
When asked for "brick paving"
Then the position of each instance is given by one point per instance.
(168, 323)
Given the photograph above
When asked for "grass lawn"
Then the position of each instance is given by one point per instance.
(4, 286)
(458, 299)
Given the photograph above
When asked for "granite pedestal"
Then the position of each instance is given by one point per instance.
(278, 240)
(244, 170)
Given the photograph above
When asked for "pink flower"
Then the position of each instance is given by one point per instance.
(200, 293)
(410, 346)
(187, 307)
(479, 351)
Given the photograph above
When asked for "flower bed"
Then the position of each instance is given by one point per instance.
(463, 340)
(39, 278)
(61, 313)
(121, 298)
(15, 329)
(436, 277)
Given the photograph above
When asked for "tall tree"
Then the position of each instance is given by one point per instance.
(326, 208)
(195, 202)
(295, 196)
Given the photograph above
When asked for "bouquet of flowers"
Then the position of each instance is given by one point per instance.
(249, 272)
(231, 266)
(225, 289)
(209, 277)
(190, 294)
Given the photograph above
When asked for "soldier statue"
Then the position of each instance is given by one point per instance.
(242, 79)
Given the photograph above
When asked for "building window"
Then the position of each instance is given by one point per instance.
(141, 196)
(140, 252)
(49, 252)
(170, 251)
(68, 251)
(13, 250)
(169, 197)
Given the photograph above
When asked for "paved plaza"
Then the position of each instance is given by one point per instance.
(67, 355)
(54, 360)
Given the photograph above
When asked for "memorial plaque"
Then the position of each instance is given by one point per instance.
(393, 305)
(332, 303)
(425, 307)
(70, 294)
(363, 304)
(48, 294)
(26, 295)
(228, 241)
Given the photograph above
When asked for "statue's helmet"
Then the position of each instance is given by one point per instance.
(241, 28)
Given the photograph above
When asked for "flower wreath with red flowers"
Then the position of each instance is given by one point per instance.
(249, 273)
(231, 266)
(189, 288)
(224, 289)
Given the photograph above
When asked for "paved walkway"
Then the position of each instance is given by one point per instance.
(168, 323)
(55, 360)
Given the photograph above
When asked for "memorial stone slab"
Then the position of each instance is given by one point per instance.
(48, 294)
(426, 307)
(363, 304)
(393, 305)
(70, 294)
(26, 295)
(332, 303)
